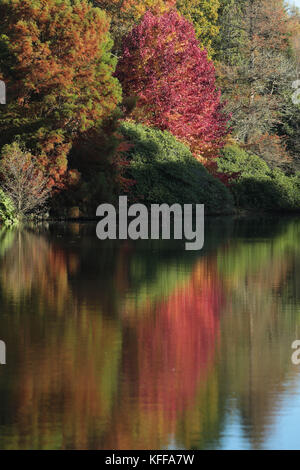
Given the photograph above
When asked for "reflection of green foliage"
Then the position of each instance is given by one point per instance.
(7, 237)
(155, 270)
(259, 321)
(201, 426)
(245, 257)
(167, 278)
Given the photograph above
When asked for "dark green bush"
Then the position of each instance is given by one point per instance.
(165, 171)
(257, 186)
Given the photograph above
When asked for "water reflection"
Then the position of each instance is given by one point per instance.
(145, 346)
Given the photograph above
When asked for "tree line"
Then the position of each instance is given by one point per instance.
(214, 75)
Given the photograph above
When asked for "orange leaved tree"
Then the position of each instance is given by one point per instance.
(56, 61)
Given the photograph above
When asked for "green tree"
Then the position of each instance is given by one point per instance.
(204, 16)
(228, 44)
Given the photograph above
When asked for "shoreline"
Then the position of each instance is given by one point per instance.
(243, 214)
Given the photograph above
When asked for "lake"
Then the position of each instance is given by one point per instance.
(143, 345)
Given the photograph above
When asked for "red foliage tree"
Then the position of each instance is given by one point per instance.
(163, 65)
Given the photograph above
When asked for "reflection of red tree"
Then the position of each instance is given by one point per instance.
(176, 348)
(167, 358)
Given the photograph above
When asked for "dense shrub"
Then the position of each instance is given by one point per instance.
(235, 159)
(257, 186)
(7, 210)
(166, 172)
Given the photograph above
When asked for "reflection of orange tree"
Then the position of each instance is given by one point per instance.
(33, 266)
(64, 375)
(167, 358)
(66, 386)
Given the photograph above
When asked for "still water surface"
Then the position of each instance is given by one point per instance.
(142, 345)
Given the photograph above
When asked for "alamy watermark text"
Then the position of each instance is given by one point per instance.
(2, 353)
(160, 218)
